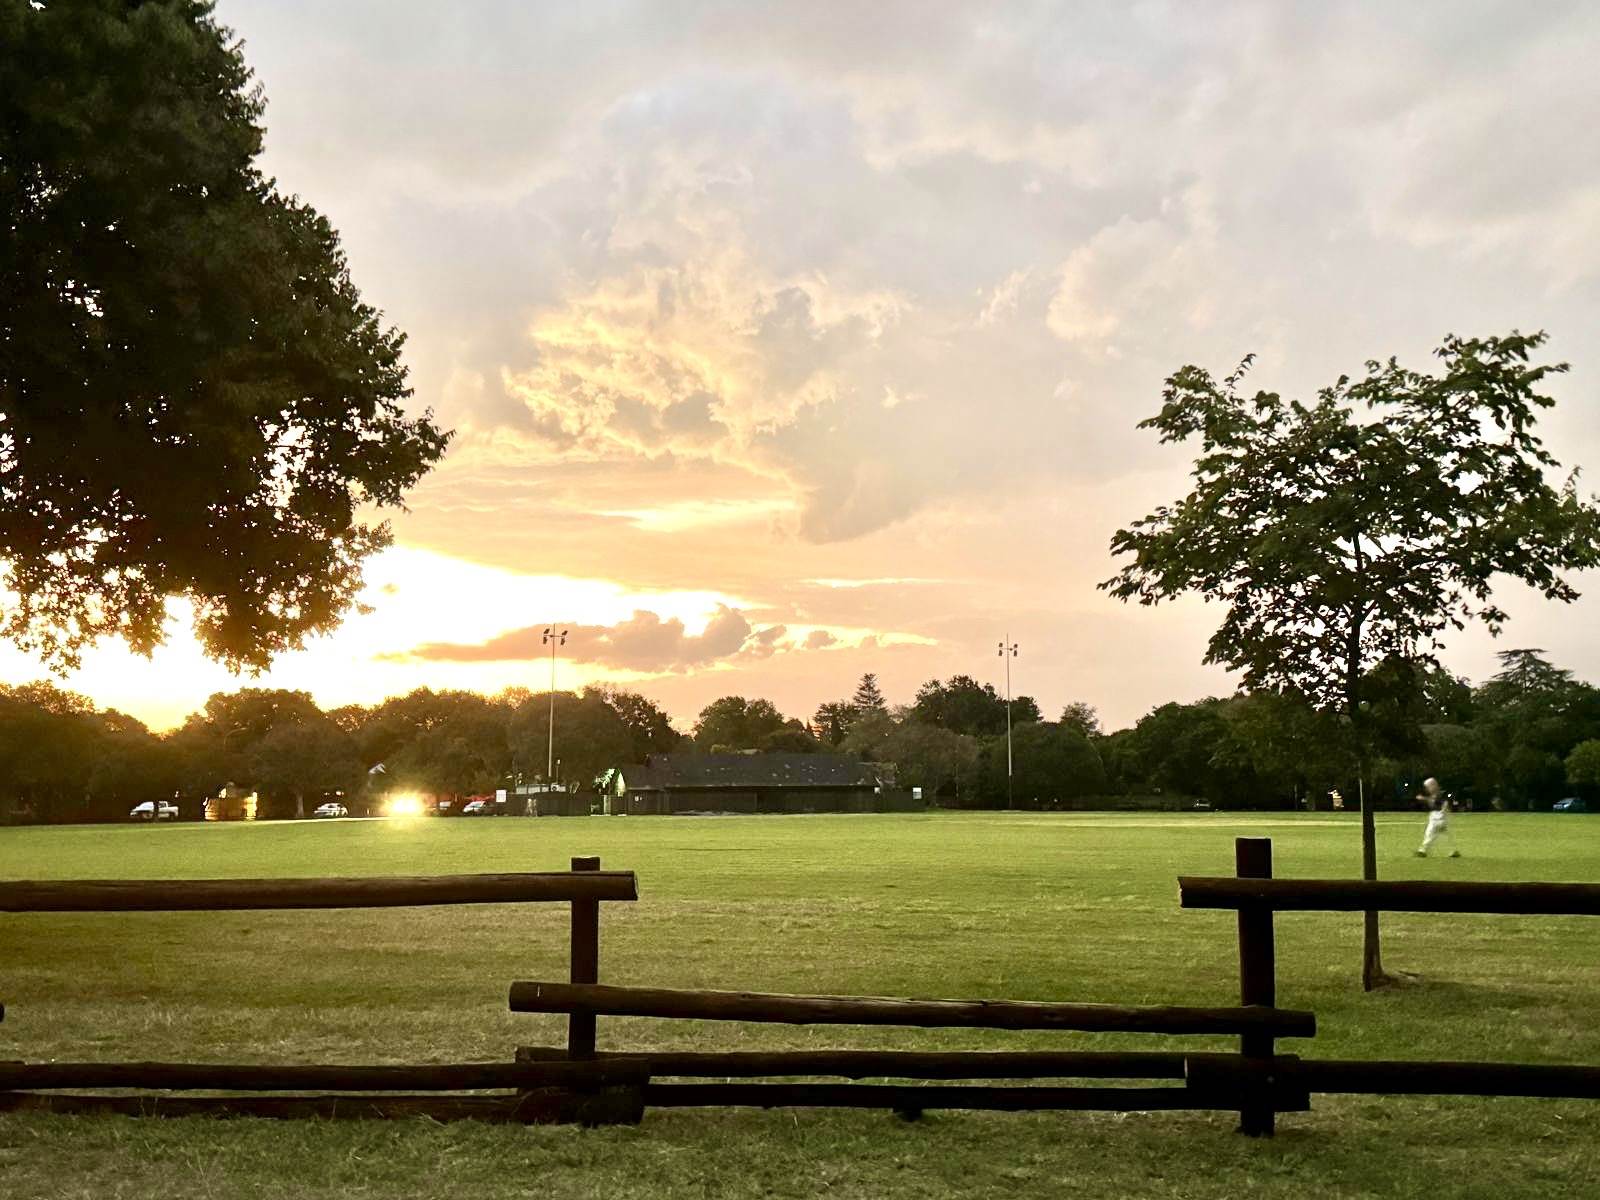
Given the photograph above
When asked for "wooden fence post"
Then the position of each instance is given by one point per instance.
(585, 963)
(1257, 979)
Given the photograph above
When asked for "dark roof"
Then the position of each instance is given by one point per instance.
(751, 770)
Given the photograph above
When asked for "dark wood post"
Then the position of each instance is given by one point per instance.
(1257, 978)
(585, 963)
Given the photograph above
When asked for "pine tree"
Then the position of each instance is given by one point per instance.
(868, 698)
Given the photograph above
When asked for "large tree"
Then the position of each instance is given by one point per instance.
(733, 723)
(1360, 528)
(928, 757)
(833, 720)
(194, 400)
(963, 705)
(1531, 714)
(302, 759)
(1083, 717)
(1053, 763)
(649, 728)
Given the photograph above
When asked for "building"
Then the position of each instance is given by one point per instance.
(754, 783)
(231, 804)
(546, 800)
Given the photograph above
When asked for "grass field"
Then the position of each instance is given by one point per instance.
(1071, 907)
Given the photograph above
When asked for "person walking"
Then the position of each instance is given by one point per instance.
(1439, 807)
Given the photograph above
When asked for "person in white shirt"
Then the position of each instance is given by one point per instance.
(1439, 807)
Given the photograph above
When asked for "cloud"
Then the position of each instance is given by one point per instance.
(764, 643)
(644, 642)
(764, 295)
(1141, 280)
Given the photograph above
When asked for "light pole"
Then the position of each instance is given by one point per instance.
(1008, 651)
(552, 639)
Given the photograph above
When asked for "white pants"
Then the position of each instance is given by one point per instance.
(1438, 827)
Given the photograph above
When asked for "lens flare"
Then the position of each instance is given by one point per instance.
(407, 804)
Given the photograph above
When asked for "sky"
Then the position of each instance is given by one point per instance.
(787, 343)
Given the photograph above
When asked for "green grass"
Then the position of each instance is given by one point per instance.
(1071, 907)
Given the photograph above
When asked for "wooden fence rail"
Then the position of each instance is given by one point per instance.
(1377, 895)
(613, 1001)
(217, 895)
(914, 1099)
(230, 1077)
(893, 1064)
(1376, 1077)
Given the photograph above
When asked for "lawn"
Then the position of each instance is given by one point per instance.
(1070, 907)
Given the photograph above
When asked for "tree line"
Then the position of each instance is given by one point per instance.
(1522, 740)
(61, 759)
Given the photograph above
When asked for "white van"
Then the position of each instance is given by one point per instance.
(154, 810)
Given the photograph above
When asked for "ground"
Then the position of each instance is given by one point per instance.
(1067, 907)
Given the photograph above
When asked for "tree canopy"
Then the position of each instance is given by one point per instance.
(194, 399)
(963, 705)
(1362, 527)
(733, 723)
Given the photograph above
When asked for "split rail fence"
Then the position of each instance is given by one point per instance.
(544, 1091)
(1256, 896)
(579, 1082)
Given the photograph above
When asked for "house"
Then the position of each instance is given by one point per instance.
(754, 783)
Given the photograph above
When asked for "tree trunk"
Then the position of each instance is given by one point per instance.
(1372, 975)
(299, 806)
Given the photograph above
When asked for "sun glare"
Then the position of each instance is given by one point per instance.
(405, 804)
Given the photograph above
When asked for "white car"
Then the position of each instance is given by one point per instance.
(154, 810)
(331, 810)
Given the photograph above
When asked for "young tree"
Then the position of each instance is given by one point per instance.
(194, 400)
(1361, 527)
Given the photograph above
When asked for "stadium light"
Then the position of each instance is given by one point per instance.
(1008, 651)
(552, 639)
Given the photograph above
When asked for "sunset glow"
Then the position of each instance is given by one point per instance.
(782, 350)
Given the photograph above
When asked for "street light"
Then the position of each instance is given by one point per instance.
(1008, 651)
(552, 639)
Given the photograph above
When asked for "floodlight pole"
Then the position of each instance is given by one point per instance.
(552, 639)
(1008, 651)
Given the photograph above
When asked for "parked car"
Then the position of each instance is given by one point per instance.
(1572, 804)
(331, 810)
(480, 808)
(154, 810)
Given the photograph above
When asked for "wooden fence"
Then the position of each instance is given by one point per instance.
(1256, 896)
(1220, 1091)
(578, 1082)
(550, 1090)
